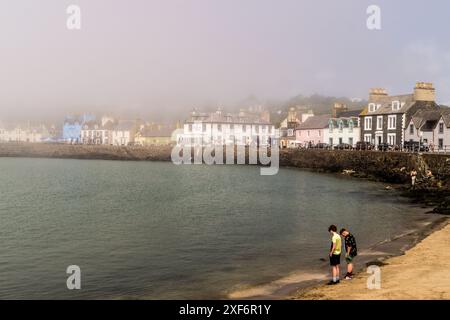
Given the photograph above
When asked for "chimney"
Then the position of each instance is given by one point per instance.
(338, 108)
(377, 94)
(424, 91)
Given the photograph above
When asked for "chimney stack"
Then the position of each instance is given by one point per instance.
(424, 91)
(338, 108)
(377, 94)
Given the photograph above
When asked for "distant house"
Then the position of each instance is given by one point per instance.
(24, 133)
(343, 126)
(154, 135)
(72, 127)
(312, 131)
(430, 127)
(123, 134)
(97, 132)
(288, 125)
(219, 128)
(386, 118)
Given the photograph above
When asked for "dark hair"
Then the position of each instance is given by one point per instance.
(342, 230)
(332, 228)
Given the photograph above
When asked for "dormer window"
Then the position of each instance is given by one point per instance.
(395, 105)
(372, 107)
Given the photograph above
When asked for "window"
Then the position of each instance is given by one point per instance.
(411, 129)
(331, 141)
(219, 127)
(244, 128)
(350, 141)
(392, 122)
(391, 138)
(441, 127)
(368, 138)
(350, 126)
(372, 107)
(341, 126)
(190, 128)
(380, 123)
(441, 143)
(395, 105)
(307, 133)
(204, 127)
(340, 140)
(368, 123)
(231, 126)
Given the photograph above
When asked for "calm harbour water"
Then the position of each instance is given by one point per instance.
(158, 231)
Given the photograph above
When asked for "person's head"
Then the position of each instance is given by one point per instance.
(332, 228)
(344, 232)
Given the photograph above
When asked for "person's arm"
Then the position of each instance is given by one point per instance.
(333, 247)
(349, 248)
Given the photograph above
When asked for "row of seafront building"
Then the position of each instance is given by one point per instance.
(386, 119)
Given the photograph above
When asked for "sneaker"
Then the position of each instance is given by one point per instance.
(348, 278)
(332, 283)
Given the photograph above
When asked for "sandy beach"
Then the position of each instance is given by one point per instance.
(421, 273)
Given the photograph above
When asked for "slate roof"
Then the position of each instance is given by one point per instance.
(221, 117)
(315, 122)
(406, 102)
(426, 119)
(349, 113)
(446, 116)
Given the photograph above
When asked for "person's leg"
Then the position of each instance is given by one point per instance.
(334, 272)
(350, 268)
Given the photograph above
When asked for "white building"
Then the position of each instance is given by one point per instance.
(220, 128)
(431, 127)
(93, 132)
(124, 132)
(343, 129)
(23, 134)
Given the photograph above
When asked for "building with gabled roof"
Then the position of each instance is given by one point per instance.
(312, 131)
(385, 118)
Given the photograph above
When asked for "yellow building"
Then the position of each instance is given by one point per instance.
(155, 135)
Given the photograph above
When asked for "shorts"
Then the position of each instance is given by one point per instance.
(335, 259)
(349, 259)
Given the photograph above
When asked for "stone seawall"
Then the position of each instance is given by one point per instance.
(66, 151)
(393, 167)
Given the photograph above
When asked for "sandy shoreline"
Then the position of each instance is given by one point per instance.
(308, 284)
(421, 273)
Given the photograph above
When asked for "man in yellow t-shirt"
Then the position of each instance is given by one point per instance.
(335, 254)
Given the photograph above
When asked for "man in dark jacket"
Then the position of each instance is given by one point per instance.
(350, 251)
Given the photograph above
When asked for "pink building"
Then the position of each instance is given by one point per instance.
(312, 130)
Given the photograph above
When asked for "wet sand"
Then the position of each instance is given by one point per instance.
(421, 273)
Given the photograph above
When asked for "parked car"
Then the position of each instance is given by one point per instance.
(385, 147)
(322, 145)
(343, 146)
(415, 146)
(364, 145)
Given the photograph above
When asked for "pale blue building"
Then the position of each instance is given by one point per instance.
(72, 127)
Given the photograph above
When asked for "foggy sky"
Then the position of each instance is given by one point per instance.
(157, 58)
